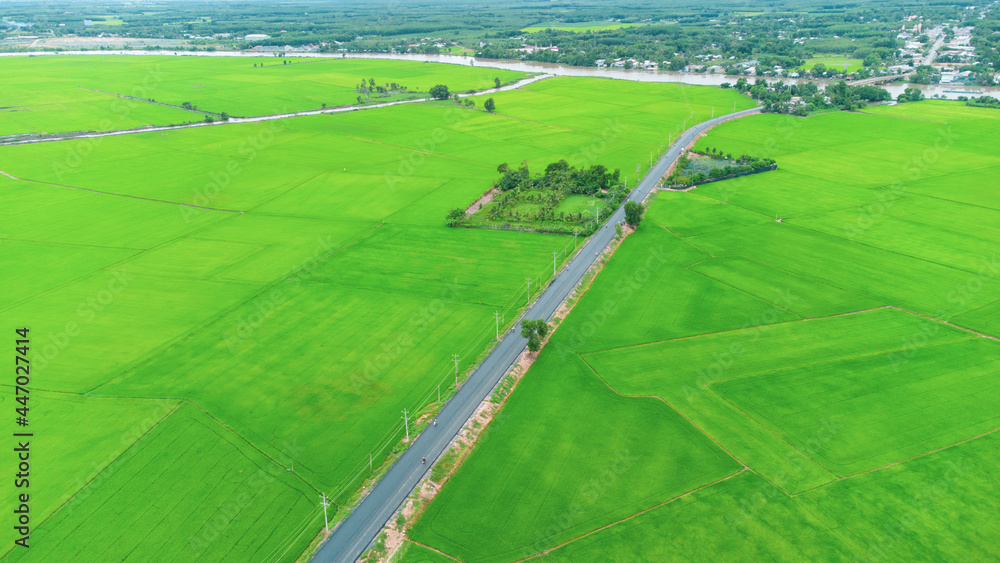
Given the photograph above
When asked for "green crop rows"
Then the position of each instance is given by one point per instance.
(231, 318)
(796, 366)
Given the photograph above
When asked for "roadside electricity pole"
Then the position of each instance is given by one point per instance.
(406, 424)
(326, 503)
(497, 316)
(529, 289)
(554, 253)
(455, 357)
(576, 233)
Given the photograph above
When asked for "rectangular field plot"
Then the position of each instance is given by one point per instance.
(99, 325)
(565, 456)
(741, 519)
(77, 439)
(678, 371)
(321, 365)
(646, 294)
(941, 507)
(189, 490)
(687, 214)
(879, 410)
(889, 277)
(806, 298)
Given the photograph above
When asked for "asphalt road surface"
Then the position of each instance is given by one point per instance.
(354, 534)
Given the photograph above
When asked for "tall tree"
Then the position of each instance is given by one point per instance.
(439, 91)
(633, 213)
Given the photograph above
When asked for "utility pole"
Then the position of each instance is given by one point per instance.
(455, 357)
(554, 253)
(326, 503)
(529, 290)
(497, 316)
(406, 424)
(713, 112)
(576, 233)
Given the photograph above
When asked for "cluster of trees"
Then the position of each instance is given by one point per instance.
(369, 88)
(777, 97)
(559, 177)
(535, 331)
(910, 95)
(518, 186)
(685, 173)
(983, 102)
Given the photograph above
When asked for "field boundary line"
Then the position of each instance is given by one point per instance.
(841, 359)
(409, 149)
(249, 443)
(743, 291)
(252, 296)
(894, 252)
(686, 241)
(801, 320)
(673, 408)
(902, 461)
(131, 196)
(434, 549)
(288, 191)
(773, 433)
(949, 323)
(105, 468)
(627, 518)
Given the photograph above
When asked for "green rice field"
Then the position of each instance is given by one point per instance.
(83, 93)
(827, 333)
(245, 309)
(577, 27)
(843, 64)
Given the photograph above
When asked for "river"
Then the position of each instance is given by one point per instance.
(946, 91)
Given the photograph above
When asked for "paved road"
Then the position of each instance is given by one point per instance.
(349, 540)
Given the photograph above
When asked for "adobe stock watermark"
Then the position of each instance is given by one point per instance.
(252, 485)
(724, 361)
(922, 506)
(751, 505)
(784, 131)
(625, 289)
(106, 467)
(264, 306)
(957, 298)
(87, 311)
(913, 170)
(587, 495)
(418, 325)
(78, 150)
(407, 166)
(248, 149)
(589, 154)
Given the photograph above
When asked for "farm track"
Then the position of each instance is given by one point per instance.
(255, 119)
(122, 195)
(356, 532)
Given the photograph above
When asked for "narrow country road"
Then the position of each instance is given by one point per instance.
(70, 135)
(355, 533)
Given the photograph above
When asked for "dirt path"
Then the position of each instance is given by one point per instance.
(483, 200)
(234, 120)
